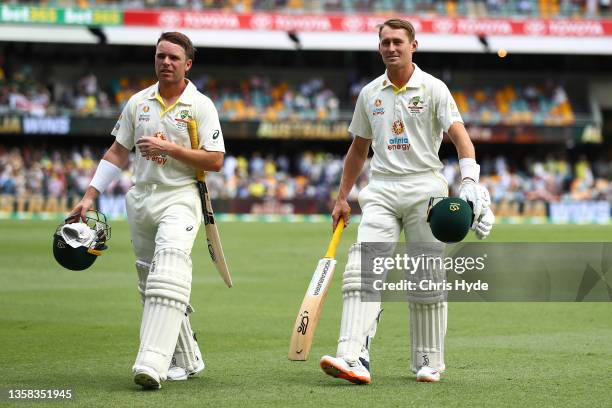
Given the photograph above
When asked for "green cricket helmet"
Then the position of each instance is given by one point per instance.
(76, 245)
(450, 218)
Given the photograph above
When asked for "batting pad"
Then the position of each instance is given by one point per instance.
(428, 329)
(142, 268)
(359, 318)
(166, 300)
(186, 345)
(430, 271)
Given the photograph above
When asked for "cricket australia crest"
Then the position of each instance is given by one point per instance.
(182, 118)
(416, 106)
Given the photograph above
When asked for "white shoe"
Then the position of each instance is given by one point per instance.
(427, 374)
(147, 378)
(177, 373)
(357, 372)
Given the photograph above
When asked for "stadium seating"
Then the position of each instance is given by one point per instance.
(260, 97)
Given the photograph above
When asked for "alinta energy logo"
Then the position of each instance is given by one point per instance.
(161, 158)
(401, 141)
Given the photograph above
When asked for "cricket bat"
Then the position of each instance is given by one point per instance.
(308, 315)
(213, 241)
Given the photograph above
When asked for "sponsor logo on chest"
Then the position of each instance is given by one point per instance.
(398, 127)
(144, 115)
(378, 108)
(400, 141)
(162, 158)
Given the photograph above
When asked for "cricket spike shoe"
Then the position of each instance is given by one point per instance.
(357, 372)
(427, 374)
(177, 373)
(147, 378)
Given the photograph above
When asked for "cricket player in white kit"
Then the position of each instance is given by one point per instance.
(402, 114)
(164, 207)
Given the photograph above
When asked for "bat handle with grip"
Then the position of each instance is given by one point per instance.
(192, 129)
(331, 249)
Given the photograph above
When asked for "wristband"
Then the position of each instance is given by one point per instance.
(105, 174)
(469, 169)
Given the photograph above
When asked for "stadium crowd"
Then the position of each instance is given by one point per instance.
(257, 97)
(471, 8)
(57, 173)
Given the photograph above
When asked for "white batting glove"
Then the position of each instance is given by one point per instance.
(479, 197)
(485, 224)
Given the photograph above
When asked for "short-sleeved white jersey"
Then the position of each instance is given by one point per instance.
(146, 115)
(406, 125)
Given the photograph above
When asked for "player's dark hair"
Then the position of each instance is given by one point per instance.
(397, 23)
(180, 39)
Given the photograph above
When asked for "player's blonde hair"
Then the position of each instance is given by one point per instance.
(397, 23)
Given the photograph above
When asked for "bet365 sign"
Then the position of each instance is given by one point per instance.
(52, 15)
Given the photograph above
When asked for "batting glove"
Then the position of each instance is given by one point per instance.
(476, 194)
(485, 224)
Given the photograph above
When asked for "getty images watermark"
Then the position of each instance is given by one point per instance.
(486, 271)
(414, 265)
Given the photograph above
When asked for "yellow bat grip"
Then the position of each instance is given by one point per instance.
(331, 249)
(192, 129)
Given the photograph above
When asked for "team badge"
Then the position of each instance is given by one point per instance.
(416, 106)
(398, 127)
(182, 118)
(454, 206)
(377, 103)
(145, 108)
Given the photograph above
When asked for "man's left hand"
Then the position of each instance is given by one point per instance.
(484, 225)
(478, 195)
(152, 146)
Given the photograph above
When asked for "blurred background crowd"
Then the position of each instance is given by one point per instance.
(262, 97)
(28, 171)
(541, 123)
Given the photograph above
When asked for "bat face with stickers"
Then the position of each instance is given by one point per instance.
(213, 241)
(308, 315)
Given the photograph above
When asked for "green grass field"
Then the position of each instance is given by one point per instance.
(79, 330)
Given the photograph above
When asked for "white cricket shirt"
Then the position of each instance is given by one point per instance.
(146, 115)
(405, 125)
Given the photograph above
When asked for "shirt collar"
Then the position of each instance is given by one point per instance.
(186, 98)
(415, 81)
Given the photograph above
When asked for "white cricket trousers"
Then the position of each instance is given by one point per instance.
(390, 203)
(163, 217)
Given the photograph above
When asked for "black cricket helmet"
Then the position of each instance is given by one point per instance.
(76, 245)
(450, 218)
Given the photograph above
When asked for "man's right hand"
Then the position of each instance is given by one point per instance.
(341, 209)
(80, 210)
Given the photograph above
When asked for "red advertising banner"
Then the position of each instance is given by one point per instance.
(214, 20)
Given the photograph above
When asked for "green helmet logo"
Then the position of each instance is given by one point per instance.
(450, 219)
(77, 245)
